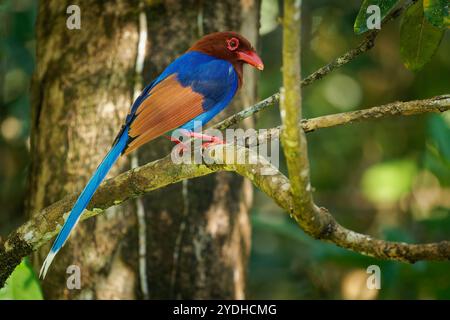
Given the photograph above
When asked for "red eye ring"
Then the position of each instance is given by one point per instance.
(232, 44)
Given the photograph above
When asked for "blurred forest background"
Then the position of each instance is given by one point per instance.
(388, 178)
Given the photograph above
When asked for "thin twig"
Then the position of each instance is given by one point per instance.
(365, 45)
(408, 108)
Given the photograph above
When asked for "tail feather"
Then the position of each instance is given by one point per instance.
(84, 198)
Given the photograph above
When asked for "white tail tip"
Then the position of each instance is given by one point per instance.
(47, 262)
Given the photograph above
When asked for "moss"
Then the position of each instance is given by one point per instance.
(10, 259)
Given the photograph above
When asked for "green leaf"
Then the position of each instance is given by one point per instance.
(419, 39)
(437, 154)
(437, 12)
(385, 6)
(22, 284)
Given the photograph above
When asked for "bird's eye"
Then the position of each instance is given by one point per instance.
(232, 44)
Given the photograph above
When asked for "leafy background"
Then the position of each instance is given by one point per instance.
(389, 178)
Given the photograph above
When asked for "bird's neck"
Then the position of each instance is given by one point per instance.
(239, 68)
(237, 64)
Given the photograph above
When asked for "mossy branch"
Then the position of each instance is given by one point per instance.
(292, 135)
(160, 173)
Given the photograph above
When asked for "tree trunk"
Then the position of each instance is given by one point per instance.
(81, 93)
(197, 233)
(198, 237)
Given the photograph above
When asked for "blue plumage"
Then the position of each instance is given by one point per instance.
(214, 78)
(84, 198)
(201, 82)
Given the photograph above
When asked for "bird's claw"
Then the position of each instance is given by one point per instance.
(214, 141)
(179, 147)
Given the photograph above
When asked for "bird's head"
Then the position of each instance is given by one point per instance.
(230, 46)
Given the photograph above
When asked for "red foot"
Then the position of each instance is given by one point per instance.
(177, 141)
(210, 140)
(180, 146)
(203, 137)
(214, 141)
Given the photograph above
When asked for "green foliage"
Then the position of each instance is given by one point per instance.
(437, 12)
(17, 47)
(422, 28)
(299, 267)
(437, 156)
(386, 6)
(419, 39)
(22, 284)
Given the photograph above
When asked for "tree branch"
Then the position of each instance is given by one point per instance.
(293, 137)
(436, 104)
(136, 182)
(278, 187)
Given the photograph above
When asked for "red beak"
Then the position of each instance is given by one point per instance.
(251, 58)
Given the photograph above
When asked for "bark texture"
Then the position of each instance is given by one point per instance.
(198, 237)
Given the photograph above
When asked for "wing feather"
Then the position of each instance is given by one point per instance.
(195, 86)
(168, 106)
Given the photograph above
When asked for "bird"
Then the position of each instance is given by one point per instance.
(191, 91)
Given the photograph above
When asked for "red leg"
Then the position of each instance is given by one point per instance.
(210, 140)
(177, 141)
(204, 137)
(179, 145)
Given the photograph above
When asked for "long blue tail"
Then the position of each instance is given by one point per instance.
(84, 198)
